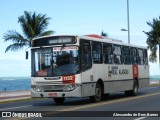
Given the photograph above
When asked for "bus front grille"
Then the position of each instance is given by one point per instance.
(52, 88)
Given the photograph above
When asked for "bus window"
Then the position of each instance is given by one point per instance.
(86, 61)
(107, 53)
(97, 52)
(65, 60)
(140, 54)
(145, 57)
(126, 55)
(117, 54)
(134, 56)
(42, 62)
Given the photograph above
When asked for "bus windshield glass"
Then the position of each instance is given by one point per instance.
(56, 61)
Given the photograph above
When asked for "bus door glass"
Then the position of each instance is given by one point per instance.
(86, 61)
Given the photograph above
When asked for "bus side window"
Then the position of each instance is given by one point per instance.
(107, 53)
(97, 52)
(117, 54)
(145, 57)
(134, 56)
(86, 61)
(140, 55)
(126, 55)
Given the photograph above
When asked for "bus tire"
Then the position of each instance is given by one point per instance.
(98, 94)
(105, 96)
(59, 100)
(133, 92)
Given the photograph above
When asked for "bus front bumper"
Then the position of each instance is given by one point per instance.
(75, 93)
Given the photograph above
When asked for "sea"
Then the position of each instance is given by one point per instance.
(8, 84)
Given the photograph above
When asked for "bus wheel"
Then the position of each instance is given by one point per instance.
(59, 100)
(135, 88)
(105, 96)
(98, 94)
(133, 92)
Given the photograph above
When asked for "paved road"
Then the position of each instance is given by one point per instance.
(147, 100)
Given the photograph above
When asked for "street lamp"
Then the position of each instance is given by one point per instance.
(127, 22)
(124, 29)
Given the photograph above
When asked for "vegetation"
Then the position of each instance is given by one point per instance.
(153, 39)
(32, 25)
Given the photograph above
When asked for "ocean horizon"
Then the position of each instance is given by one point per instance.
(24, 83)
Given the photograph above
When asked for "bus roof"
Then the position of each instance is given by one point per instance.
(108, 40)
(95, 37)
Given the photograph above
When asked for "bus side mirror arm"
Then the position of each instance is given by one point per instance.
(26, 55)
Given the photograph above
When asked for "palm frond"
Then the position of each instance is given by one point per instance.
(15, 47)
(46, 33)
(42, 23)
(32, 26)
(14, 36)
(153, 38)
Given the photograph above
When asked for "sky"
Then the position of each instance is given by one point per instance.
(78, 17)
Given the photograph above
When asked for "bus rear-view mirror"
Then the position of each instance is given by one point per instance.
(26, 55)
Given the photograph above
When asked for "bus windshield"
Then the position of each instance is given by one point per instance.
(56, 61)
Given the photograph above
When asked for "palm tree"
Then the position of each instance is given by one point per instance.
(32, 26)
(153, 38)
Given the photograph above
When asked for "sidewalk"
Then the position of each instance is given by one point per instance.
(8, 96)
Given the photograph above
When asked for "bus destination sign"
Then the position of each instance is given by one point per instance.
(60, 40)
(55, 40)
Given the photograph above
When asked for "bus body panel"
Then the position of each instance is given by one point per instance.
(88, 85)
(143, 71)
(88, 89)
(120, 85)
(143, 76)
(98, 72)
(118, 72)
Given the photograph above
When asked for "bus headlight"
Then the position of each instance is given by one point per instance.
(37, 88)
(70, 87)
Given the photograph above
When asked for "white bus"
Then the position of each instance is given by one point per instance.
(86, 66)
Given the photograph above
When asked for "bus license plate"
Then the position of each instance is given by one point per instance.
(52, 94)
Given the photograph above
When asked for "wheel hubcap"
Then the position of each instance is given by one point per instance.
(98, 93)
(136, 89)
